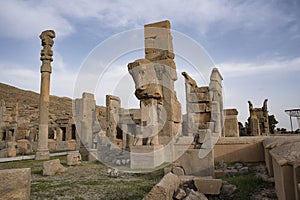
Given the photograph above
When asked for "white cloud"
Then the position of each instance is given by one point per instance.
(26, 19)
(235, 69)
(22, 19)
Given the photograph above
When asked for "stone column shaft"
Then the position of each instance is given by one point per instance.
(46, 58)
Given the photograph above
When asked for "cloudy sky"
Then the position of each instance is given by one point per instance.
(255, 44)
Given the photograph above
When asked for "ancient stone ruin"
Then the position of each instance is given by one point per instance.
(42, 152)
(154, 133)
(231, 127)
(259, 119)
(154, 78)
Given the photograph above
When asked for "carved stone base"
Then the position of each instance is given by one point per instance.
(42, 155)
(146, 156)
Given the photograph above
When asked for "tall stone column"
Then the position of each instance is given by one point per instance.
(46, 69)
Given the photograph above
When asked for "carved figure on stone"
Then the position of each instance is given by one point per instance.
(154, 78)
(47, 42)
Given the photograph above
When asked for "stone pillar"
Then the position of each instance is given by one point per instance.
(231, 124)
(154, 78)
(298, 120)
(46, 69)
(85, 118)
(113, 105)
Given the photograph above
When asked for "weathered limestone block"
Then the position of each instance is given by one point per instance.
(179, 171)
(158, 41)
(51, 167)
(231, 126)
(23, 146)
(285, 160)
(11, 149)
(208, 185)
(73, 159)
(195, 195)
(146, 156)
(15, 184)
(164, 189)
(273, 142)
(193, 165)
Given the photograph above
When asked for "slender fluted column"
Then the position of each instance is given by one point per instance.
(46, 69)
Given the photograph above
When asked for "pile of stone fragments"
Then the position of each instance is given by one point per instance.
(177, 185)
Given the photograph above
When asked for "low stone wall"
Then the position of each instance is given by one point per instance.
(235, 149)
(286, 167)
(273, 142)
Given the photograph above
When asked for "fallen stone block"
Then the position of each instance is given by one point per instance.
(179, 194)
(178, 170)
(15, 184)
(195, 195)
(208, 185)
(73, 159)
(164, 189)
(52, 167)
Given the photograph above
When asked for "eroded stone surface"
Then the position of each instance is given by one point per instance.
(51, 167)
(231, 127)
(73, 159)
(164, 189)
(287, 153)
(208, 185)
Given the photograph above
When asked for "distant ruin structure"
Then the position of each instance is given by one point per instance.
(47, 37)
(259, 119)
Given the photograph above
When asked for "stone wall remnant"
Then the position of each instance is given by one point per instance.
(204, 121)
(259, 119)
(231, 124)
(86, 123)
(46, 69)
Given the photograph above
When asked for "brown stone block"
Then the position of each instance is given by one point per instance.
(164, 189)
(208, 185)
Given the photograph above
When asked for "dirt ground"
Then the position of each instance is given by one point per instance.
(86, 181)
